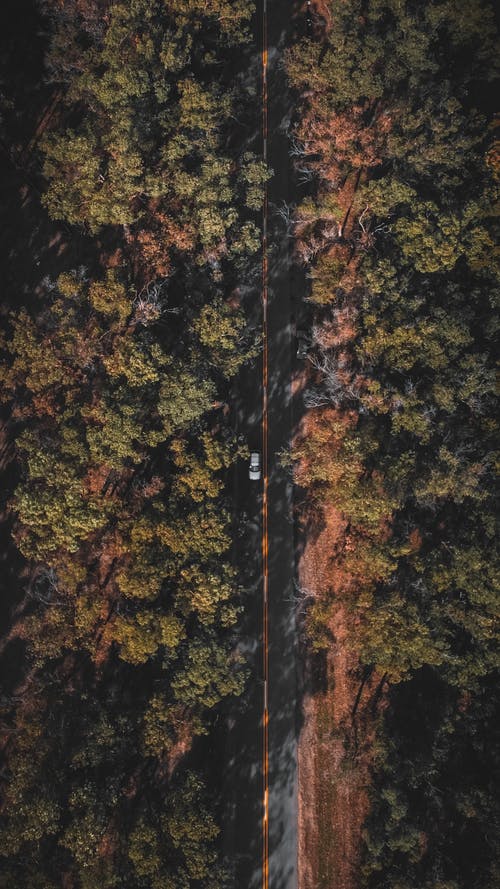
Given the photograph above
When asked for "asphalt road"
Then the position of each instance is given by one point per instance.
(243, 795)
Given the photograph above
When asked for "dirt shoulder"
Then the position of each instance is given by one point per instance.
(334, 751)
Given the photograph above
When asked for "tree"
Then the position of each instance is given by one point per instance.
(222, 331)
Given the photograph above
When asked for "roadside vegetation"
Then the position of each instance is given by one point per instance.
(398, 138)
(116, 377)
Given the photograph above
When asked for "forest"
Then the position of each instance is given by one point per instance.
(115, 377)
(397, 134)
(128, 133)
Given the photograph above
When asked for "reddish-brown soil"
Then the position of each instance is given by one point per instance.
(335, 745)
(341, 702)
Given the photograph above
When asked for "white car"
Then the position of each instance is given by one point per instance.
(254, 467)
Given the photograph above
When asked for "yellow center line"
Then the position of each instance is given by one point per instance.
(265, 536)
